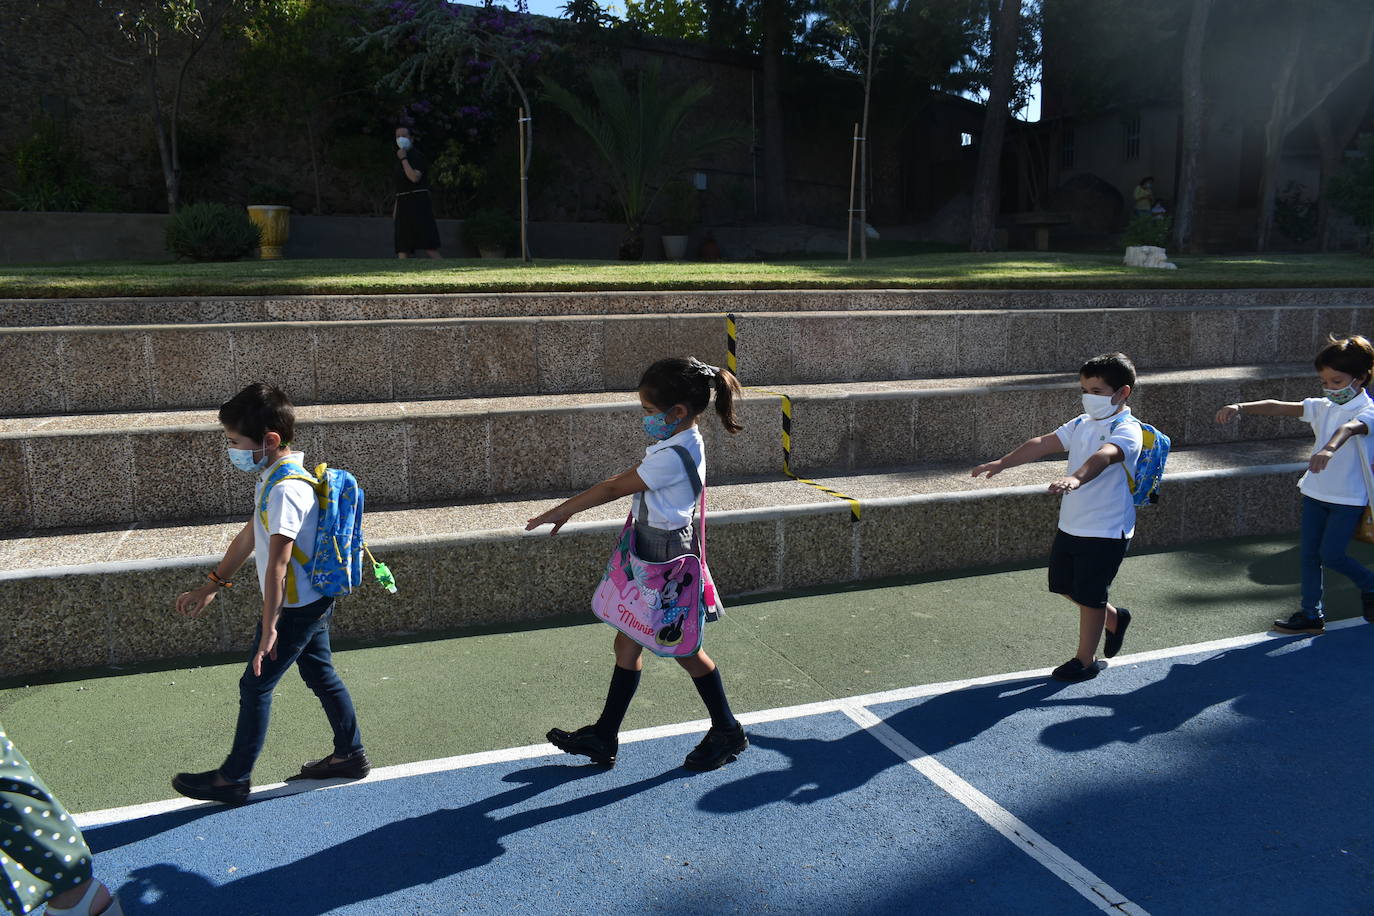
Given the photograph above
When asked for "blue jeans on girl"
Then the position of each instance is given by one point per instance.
(302, 638)
(1326, 532)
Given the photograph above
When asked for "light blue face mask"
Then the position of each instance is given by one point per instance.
(242, 458)
(403, 142)
(658, 426)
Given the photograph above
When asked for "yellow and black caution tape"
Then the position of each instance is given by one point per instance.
(732, 363)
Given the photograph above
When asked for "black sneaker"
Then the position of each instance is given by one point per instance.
(1367, 602)
(719, 747)
(202, 786)
(1074, 672)
(587, 742)
(1301, 623)
(354, 766)
(1113, 641)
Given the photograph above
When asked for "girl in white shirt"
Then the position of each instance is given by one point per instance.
(1333, 489)
(673, 393)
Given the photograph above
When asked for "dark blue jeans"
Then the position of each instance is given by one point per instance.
(303, 639)
(1326, 532)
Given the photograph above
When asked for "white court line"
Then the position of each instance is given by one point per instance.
(1069, 870)
(531, 751)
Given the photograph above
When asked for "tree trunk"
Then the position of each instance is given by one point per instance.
(774, 21)
(1275, 131)
(1192, 178)
(1005, 25)
(169, 173)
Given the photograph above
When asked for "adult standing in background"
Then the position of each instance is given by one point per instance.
(413, 214)
(1144, 196)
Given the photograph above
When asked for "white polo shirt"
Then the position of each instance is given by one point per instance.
(670, 499)
(292, 511)
(1342, 482)
(1102, 507)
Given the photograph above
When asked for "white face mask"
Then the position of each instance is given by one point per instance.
(403, 142)
(1099, 406)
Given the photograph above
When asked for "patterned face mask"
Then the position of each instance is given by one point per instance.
(658, 426)
(1343, 395)
(242, 458)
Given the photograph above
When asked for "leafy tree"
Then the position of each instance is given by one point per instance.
(1351, 190)
(150, 38)
(473, 49)
(642, 136)
(298, 66)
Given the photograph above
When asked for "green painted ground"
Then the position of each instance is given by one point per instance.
(1000, 270)
(116, 740)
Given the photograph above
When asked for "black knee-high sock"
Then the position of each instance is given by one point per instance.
(713, 695)
(623, 685)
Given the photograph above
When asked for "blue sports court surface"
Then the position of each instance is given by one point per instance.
(1223, 778)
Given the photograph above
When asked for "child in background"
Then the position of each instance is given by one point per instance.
(673, 392)
(1333, 489)
(1097, 514)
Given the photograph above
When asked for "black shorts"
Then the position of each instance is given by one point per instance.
(1083, 568)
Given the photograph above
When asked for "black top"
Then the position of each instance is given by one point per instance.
(419, 163)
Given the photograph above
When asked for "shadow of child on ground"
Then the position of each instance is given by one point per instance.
(397, 856)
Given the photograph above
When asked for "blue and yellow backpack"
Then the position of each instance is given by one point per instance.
(336, 565)
(1149, 467)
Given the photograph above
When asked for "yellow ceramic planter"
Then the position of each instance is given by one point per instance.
(275, 223)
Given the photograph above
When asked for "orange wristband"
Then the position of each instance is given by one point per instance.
(222, 583)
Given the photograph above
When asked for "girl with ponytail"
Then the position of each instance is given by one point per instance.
(674, 393)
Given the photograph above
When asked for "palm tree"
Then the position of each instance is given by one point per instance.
(641, 136)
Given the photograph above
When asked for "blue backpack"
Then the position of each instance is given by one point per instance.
(1149, 467)
(335, 566)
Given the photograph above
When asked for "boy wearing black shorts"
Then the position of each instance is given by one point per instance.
(1097, 514)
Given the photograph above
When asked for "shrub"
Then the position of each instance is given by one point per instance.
(1296, 213)
(1148, 229)
(1351, 190)
(490, 229)
(211, 232)
(53, 173)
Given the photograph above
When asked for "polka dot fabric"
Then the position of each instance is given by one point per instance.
(42, 853)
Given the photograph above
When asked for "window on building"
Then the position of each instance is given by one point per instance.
(966, 139)
(1132, 138)
(1066, 148)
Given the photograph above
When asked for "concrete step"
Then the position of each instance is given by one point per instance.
(77, 599)
(92, 368)
(136, 310)
(168, 466)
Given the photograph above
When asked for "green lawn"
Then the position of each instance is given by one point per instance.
(1000, 270)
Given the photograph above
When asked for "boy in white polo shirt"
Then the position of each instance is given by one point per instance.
(1097, 514)
(1333, 489)
(259, 423)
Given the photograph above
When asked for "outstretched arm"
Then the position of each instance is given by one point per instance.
(1098, 462)
(1030, 450)
(1260, 408)
(609, 490)
(1322, 458)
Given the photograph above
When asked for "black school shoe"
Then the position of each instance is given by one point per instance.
(1301, 623)
(202, 786)
(719, 747)
(1113, 642)
(354, 766)
(1074, 672)
(586, 742)
(1367, 602)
